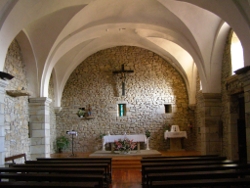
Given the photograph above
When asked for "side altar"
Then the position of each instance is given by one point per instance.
(176, 138)
(135, 137)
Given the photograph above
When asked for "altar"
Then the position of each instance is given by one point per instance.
(135, 137)
(176, 138)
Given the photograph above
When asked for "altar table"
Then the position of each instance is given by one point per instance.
(111, 139)
(175, 139)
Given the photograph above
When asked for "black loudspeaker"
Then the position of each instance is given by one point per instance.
(5, 76)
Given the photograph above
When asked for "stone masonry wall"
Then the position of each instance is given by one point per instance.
(16, 108)
(153, 84)
(230, 86)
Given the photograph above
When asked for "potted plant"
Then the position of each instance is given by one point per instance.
(81, 112)
(62, 143)
(147, 133)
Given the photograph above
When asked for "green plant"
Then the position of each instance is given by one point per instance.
(167, 127)
(147, 133)
(62, 143)
(81, 112)
(102, 135)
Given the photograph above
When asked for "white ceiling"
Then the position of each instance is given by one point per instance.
(57, 35)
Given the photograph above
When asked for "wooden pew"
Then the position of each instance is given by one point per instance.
(189, 156)
(74, 158)
(205, 167)
(14, 157)
(196, 175)
(94, 162)
(50, 184)
(99, 171)
(54, 178)
(228, 182)
(165, 159)
(69, 165)
(179, 161)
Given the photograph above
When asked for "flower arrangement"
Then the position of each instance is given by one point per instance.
(125, 145)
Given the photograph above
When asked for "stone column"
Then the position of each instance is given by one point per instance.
(244, 77)
(210, 128)
(39, 127)
(3, 85)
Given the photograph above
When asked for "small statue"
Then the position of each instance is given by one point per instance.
(89, 110)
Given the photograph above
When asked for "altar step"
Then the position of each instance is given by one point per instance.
(126, 163)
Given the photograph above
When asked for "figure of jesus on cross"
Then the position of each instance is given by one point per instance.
(122, 74)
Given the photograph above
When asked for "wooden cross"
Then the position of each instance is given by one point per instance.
(123, 77)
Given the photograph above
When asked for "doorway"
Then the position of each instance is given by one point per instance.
(241, 127)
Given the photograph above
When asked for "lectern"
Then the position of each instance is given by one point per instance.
(72, 133)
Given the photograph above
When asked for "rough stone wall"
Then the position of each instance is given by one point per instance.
(226, 72)
(16, 108)
(230, 85)
(52, 116)
(154, 83)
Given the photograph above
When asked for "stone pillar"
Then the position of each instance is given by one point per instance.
(3, 85)
(211, 127)
(244, 77)
(39, 111)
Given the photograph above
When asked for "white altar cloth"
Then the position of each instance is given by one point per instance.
(178, 134)
(134, 137)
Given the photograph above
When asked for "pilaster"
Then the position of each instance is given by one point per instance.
(210, 129)
(39, 112)
(3, 84)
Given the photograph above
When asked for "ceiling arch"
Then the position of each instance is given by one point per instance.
(63, 33)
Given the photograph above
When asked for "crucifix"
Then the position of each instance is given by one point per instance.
(122, 73)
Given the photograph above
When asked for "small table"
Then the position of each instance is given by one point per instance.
(111, 139)
(175, 139)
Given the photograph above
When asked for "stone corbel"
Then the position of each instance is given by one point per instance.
(58, 110)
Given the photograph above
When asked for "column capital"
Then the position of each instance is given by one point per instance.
(57, 109)
(39, 100)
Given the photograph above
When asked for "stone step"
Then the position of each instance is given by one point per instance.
(126, 163)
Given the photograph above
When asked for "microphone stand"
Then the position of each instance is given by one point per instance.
(72, 133)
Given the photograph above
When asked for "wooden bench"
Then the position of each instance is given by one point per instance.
(178, 161)
(189, 156)
(168, 169)
(167, 163)
(81, 159)
(40, 177)
(50, 184)
(228, 182)
(88, 162)
(165, 159)
(14, 157)
(99, 171)
(197, 175)
(108, 176)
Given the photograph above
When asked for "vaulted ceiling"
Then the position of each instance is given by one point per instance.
(57, 35)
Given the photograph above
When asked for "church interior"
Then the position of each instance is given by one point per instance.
(87, 70)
